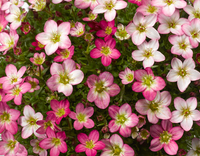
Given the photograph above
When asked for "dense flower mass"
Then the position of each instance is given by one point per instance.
(96, 77)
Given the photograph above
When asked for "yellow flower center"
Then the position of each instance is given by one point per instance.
(16, 90)
(5, 117)
(148, 53)
(64, 78)
(55, 38)
(147, 80)
(121, 119)
(151, 9)
(100, 87)
(129, 77)
(169, 2)
(165, 137)
(109, 5)
(56, 141)
(105, 50)
(65, 53)
(141, 28)
(60, 112)
(153, 106)
(89, 144)
(182, 73)
(116, 150)
(81, 117)
(32, 121)
(108, 30)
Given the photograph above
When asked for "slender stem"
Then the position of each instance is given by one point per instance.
(122, 93)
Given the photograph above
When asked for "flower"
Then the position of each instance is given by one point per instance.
(82, 117)
(109, 7)
(7, 4)
(28, 122)
(183, 73)
(60, 109)
(64, 76)
(34, 83)
(148, 53)
(195, 147)
(89, 144)
(142, 27)
(121, 32)
(101, 88)
(107, 29)
(55, 142)
(64, 54)
(122, 119)
(198, 58)
(38, 45)
(26, 27)
(105, 50)
(127, 76)
(8, 118)
(54, 36)
(36, 148)
(78, 30)
(164, 136)
(147, 83)
(3, 21)
(59, 1)
(91, 17)
(82, 4)
(193, 11)
(138, 2)
(38, 59)
(156, 109)
(185, 113)
(37, 5)
(116, 147)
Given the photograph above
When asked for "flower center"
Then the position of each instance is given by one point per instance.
(151, 9)
(48, 124)
(16, 90)
(182, 45)
(39, 5)
(13, 80)
(11, 144)
(38, 60)
(148, 53)
(182, 73)
(100, 87)
(196, 14)
(169, 2)
(65, 53)
(116, 150)
(141, 28)
(109, 5)
(55, 38)
(129, 77)
(122, 33)
(91, 16)
(165, 137)
(40, 45)
(60, 112)
(198, 60)
(153, 106)
(194, 34)
(186, 112)
(108, 30)
(89, 144)
(144, 134)
(56, 141)
(26, 27)
(5, 117)
(32, 121)
(197, 151)
(172, 25)
(80, 32)
(33, 84)
(121, 119)
(147, 80)
(64, 78)
(81, 117)
(105, 50)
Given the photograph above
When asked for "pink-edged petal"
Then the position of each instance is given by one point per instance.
(132, 120)
(90, 152)
(176, 64)
(46, 143)
(107, 78)
(69, 65)
(110, 15)
(139, 74)
(28, 111)
(14, 114)
(156, 145)
(64, 28)
(65, 42)
(82, 137)
(78, 125)
(65, 89)
(113, 90)
(138, 38)
(171, 148)
(95, 53)
(106, 60)
(91, 80)
(50, 26)
(79, 108)
(193, 75)
(172, 76)
(149, 94)
(99, 9)
(94, 135)
(92, 95)
(152, 117)
(72, 115)
(12, 127)
(43, 38)
(163, 29)
(51, 48)
(115, 139)
(177, 117)
(142, 106)
(27, 131)
(120, 5)
(152, 33)
(138, 87)
(187, 123)
(125, 131)
(10, 70)
(89, 123)
(113, 111)
(56, 69)
(76, 77)
(128, 151)
(155, 131)
(166, 125)
(168, 10)
(183, 83)
(63, 147)
(80, 148)
(191, 103)
(55, 151)
(113, 127)
(164, 113)
(195, 115)
(177, 133)
(89, 111)
(25, 87)
(99, 145)
(18, 99)
(125, 109)
(103, 100)
(148, 62)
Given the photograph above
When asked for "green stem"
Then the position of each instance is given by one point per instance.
(40, 72)
(122, 93)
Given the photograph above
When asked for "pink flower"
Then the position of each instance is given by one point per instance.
(164, 137)
(148, 53)
(59, 1)
(8, 118)
(26, 27)
(55, 142)
(89, 144)
(55, 36)
(193, 11)
(28, 122)
(101, 88)
(107, 29)
(138, 2)
(36, 148)
(181, 46)
(121, 32)
(78, 30)
(123, 119)
(91, 17)
(64, 54)
(37, 5)
(115, 146)
(34, 83)
(142, 27)
(195, 147)
(186, 112)
(82, 117)
(127, 76)
(38, 45)
(60, 109)
(82, 4)
(169, 6)
(38, 59)
(3, 21)
(156, 109)
(105, 50)
(183, 73)
(147, 83)
(64, 76)
(7, 4)
(109, 7)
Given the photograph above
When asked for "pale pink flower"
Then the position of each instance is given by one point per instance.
(91, 17)
(89, 144)
(109, 7)
(169, 6)
(156, 109)
(122, 119)
(138, 2)
(127, 76)
(148, 53)
(55, 36)
(64, 77)
(8, 118)
(171, 23)
(116, 146)
(181, 46)
(37, 5)
(2, 94)
(101, 88)
(59, 1)
(106, 50)
(36, 148)
(146, 8)
(28, 122)
(82, 117)
(7, 4)
(78, 30)
(186, 112)
(38, 59)
(147, 83)
(193, 11)
(60, 109)
(3, 21)
(13, 77)
(142, 27)
(34, 83)
(192, 30)
(195, 148)
(165, 136)
(83, 4)
(8, 41)
(64, 54)
(183, 73)
(55, 141)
